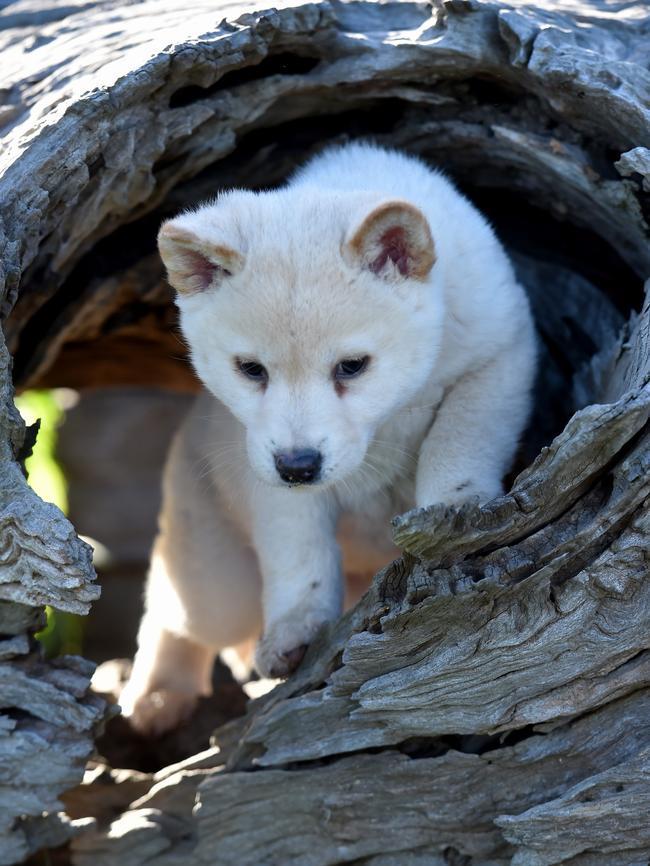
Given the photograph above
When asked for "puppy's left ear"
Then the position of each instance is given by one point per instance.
(393, 241)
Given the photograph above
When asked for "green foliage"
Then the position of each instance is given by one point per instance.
(45, 474)
(63, 633)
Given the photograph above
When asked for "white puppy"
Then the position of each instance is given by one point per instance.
(366, 349)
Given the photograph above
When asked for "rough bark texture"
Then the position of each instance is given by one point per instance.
(487, 702)
(47, 715)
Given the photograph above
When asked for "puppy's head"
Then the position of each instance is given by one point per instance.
(314, 317)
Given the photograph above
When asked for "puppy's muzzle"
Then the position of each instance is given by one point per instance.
(301, 466)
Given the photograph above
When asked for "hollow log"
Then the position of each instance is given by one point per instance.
(487, 702)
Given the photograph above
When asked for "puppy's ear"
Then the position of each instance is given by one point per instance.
(193, 263)
(393, 241)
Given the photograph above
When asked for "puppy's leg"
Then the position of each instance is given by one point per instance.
(474, 436)
(203, 594)
(300, 561)
(169, 672)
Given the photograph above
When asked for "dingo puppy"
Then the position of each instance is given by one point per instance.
(366, 348)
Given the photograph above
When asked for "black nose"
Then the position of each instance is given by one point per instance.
(299, 467)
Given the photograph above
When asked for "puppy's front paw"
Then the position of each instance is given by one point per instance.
(284, 643)
(465, 491)
(461, 492)
(157, 712)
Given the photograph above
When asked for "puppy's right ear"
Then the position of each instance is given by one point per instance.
(195, 264)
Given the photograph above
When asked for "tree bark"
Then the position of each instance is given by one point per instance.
(486, 703)
(47, 714)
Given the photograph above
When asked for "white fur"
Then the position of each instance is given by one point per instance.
(435, 418)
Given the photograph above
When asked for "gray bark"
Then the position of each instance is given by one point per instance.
(486, 703)
(47, 714)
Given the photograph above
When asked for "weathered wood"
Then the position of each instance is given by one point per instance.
(388, 803)
(47, 716)
(487, 701)
(42, 561)
(600, 814)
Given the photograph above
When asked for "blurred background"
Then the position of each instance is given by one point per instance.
(99, 456)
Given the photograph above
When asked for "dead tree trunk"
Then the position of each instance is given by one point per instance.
(488, 701)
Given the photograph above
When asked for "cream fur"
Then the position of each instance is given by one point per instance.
(287, 280)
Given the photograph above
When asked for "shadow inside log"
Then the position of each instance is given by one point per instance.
(274, 64)
(120, 746)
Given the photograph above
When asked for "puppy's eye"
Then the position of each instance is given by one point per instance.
(350, 368)
(252, 370)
